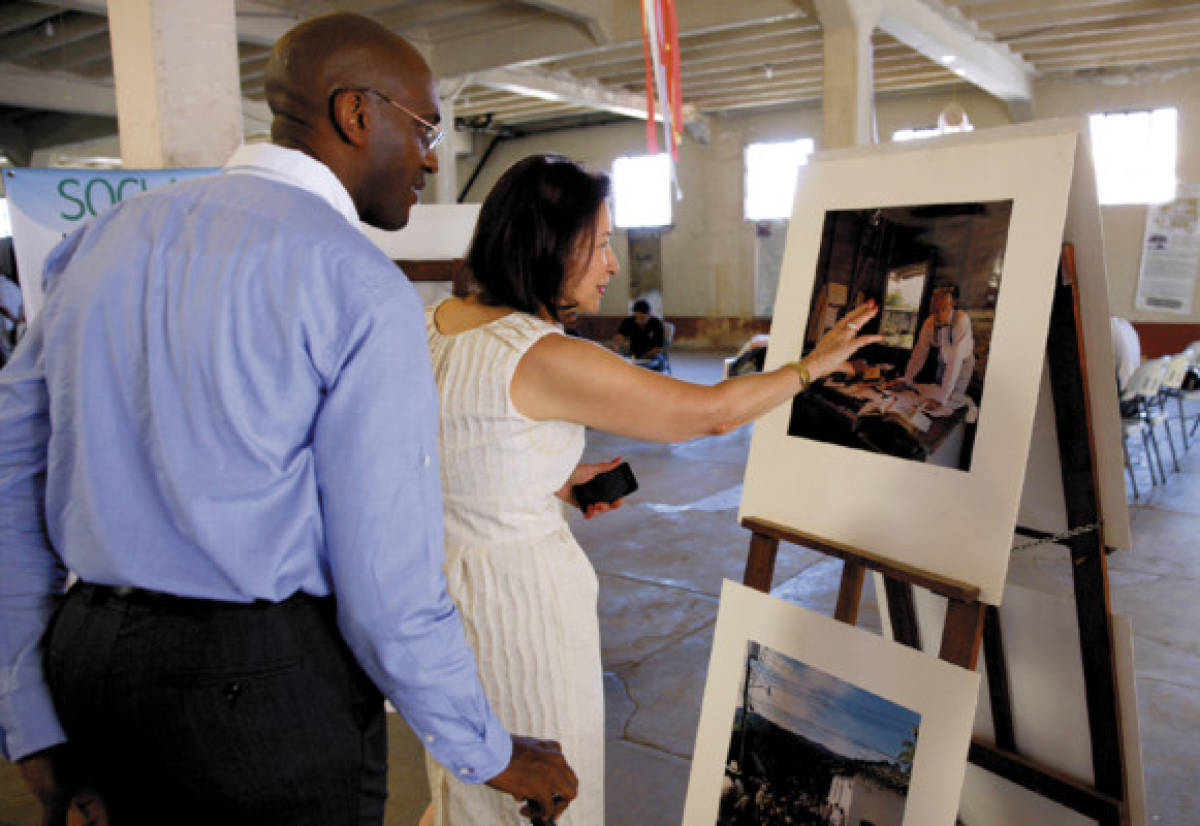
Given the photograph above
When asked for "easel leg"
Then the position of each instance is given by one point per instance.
(760, 562)
(850, 592)
(902, 610)
(997, 676)
(1068, 385)
(962, 633)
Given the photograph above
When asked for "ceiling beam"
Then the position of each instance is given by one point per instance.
(258, 21)
(562, 88)
(55, 91)
(595, 17)
(58, 36)
(944, 36)
(62, 92)
(557, 38)
(1038, 13)
(84, 51)
(17, 16)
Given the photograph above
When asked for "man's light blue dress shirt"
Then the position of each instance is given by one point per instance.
(228, 395)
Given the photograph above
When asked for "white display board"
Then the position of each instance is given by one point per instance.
(1042, 505)
(435, 232)
(943, 520)
(890, 725)
(1049, 708)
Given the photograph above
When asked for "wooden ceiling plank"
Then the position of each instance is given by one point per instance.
(17, 16)
(72, 28)
(82, 52)
(993, 67)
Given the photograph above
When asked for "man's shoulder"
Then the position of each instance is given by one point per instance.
(263, 214)
(305, 220)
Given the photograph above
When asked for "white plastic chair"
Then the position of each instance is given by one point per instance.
(1137, 419)
(1172, 388)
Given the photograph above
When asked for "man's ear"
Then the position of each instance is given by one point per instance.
(348, 110)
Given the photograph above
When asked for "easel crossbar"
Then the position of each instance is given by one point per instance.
(950, 588)
(1063, 790)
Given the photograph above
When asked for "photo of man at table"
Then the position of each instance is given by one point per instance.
(935, 271)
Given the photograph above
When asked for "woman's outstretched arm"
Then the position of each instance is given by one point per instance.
(578, 381)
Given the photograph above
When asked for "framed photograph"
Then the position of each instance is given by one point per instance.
(807, 720)
(917, 454)
(934, 270)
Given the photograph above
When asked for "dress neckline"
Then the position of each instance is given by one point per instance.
(511, 314)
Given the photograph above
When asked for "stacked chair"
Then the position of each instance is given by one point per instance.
(1174, 376)
(1156, 386)
(1141, 413)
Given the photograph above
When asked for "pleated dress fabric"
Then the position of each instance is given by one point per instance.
(525, 589)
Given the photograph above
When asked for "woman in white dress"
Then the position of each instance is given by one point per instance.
(516, 396)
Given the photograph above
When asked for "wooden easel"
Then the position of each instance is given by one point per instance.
(969, 622)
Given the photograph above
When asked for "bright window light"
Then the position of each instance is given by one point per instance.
(1135, 156)
(642, 191)
(5, 221)
(916, 134)
(771, 177)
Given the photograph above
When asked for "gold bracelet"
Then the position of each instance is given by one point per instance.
(802, 372)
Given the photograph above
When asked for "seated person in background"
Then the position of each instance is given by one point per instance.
(570, 322)
(947, 330)
(642, 336)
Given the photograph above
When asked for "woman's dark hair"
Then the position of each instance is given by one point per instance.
(529, 229)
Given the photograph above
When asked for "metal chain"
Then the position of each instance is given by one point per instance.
(1058, 537)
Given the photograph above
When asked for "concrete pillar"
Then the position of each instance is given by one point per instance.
(848, 106)
(445, 183)
(175, 67)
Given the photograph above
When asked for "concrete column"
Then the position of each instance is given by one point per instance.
(848, 105)
(445, 183)
(175, 67)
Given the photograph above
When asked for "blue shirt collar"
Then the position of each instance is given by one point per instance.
(290, 166)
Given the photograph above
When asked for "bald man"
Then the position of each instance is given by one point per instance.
(224, 422)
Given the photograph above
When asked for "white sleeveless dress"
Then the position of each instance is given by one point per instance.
(525, 589)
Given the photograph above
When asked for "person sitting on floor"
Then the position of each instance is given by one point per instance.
(642, 336)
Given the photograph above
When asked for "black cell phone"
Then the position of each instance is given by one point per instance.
(537, 816)
(606, 487)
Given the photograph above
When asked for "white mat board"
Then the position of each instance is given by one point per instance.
(942, 694)
(947, 522)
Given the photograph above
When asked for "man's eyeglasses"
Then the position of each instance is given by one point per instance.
(431, 135)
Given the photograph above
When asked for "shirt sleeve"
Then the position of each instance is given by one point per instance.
(375, 447)
(920, 350)
(31, 574)
(953, 354)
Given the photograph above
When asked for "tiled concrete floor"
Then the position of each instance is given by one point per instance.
(661, 559)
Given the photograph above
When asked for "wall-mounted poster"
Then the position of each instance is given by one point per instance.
(918, 455)
(809, 720)
(1170, 268)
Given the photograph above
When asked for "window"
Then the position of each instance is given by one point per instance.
(642, 191)
(771, 177)
(1135, 156)
(5, 221)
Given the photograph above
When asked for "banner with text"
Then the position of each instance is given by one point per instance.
(46, 205)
